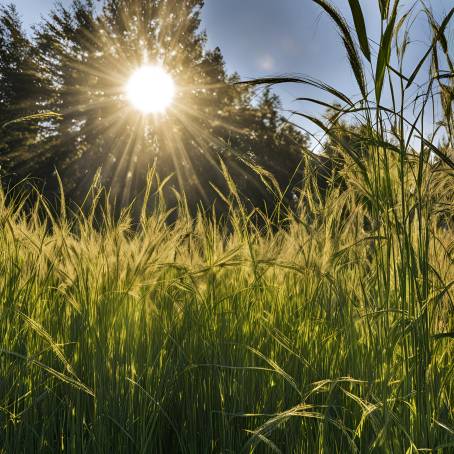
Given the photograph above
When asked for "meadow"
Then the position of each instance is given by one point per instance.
(202, 337)
(323, 328)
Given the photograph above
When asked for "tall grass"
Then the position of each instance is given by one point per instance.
(332, 334)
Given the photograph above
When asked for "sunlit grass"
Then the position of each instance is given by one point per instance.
(196, 338)
(328, 328)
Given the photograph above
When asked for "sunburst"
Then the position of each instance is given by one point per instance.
(151, 89)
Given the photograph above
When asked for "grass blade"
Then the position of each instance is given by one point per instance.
(384, 55)
(437, 38)
(360, 26)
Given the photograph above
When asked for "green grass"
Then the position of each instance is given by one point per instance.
(191, 338)
(328, 329)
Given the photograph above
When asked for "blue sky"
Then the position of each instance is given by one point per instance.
(275, 37)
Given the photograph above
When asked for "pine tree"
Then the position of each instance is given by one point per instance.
(19, 90)
(85, 58)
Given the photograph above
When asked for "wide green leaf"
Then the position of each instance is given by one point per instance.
(384, 54)
(360, 26)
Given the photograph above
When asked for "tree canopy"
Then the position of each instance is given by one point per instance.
(76, 64)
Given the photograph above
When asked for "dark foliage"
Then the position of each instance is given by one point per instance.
(76, 65)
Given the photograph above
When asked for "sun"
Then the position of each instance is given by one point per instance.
(150, 89)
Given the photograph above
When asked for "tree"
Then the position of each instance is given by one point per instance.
(19, 90)
(85, 58)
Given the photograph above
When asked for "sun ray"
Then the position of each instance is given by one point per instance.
(150, 89)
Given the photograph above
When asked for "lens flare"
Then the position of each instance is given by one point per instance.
(151, 89)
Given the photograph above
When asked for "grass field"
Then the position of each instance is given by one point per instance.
(320, 337)
(328, 328)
